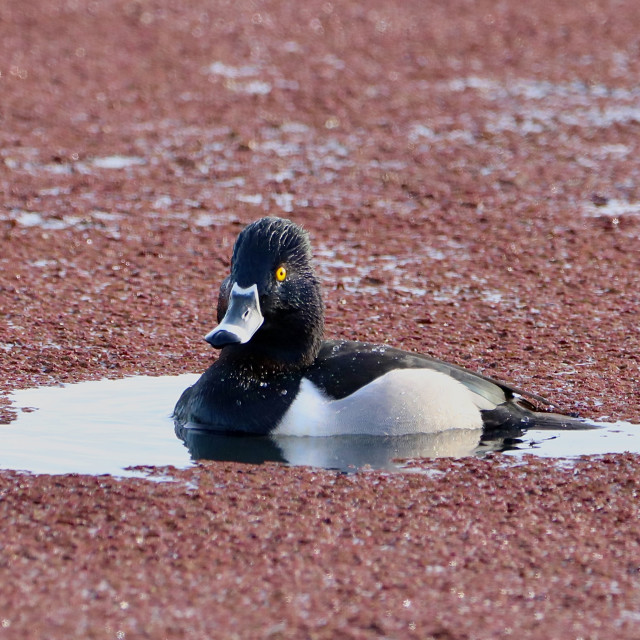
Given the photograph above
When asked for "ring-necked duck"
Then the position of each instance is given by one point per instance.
(277, 375)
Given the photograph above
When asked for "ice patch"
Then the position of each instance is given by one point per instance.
(613, 209)
(227, 71)
(117, 162)
(250, 198)
(253, 88)
(284, 201)
(35, 219)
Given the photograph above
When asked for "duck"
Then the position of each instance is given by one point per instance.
(277, 375)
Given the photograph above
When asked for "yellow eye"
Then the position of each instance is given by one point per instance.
(281, 274)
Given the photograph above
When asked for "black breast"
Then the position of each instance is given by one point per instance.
(232, 400)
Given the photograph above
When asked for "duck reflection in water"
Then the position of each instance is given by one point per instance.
(344, 453)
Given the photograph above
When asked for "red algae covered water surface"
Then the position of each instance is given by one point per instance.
(469, 176)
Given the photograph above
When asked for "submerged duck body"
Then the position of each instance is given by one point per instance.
(276, 374)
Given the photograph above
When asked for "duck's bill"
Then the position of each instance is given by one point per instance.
(242, 319)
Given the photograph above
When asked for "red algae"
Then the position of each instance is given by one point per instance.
(473, 549)
(469, 177)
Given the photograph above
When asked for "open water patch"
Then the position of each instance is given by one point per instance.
(95, 427)
(598, 438)
(111, 426)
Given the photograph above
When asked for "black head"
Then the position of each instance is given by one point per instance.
(270, 306)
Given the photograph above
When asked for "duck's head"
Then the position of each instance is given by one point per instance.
(270, 306)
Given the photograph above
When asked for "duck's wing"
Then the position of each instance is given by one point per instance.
(343, 367)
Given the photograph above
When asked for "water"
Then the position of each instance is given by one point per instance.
(109, 426)
(609, 437)
(95, 427)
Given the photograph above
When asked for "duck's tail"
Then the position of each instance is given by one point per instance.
(518, 414)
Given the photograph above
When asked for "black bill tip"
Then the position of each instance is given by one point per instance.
(222, 338)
